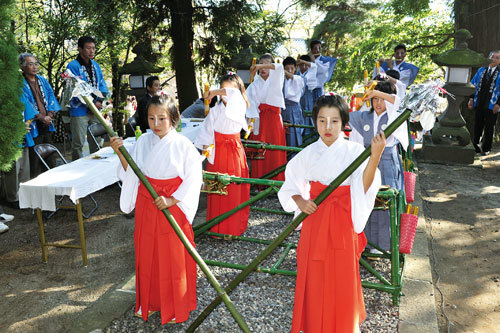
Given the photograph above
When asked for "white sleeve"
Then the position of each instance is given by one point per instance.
(253, 109)
(355, 136)
(404, 76)
(401, 133)
(295, 88)
(362, 203)
(188, 192)
(236, 106)
(130, 183)
(312, 81)
(276, 79)
(294, 183)
(206, 133)
(400, 89)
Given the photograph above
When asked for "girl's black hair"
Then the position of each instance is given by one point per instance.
(331, 101)
(168, 103)
(267, 56)
(234, 78)
(289, 61)
(384, 86)
(305, 57)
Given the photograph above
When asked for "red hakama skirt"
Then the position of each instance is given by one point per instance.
(165, 272)
(229, 158)
(271, 131)
(328, 294)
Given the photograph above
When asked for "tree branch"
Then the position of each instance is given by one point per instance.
(430, 46)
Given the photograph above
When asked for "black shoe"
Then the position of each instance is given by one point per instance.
(485, 153)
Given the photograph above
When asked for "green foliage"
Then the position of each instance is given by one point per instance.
(358, 46)
(409, 7)
(11, 109)
(219, 25)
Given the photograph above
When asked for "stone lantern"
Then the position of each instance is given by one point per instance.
(451, 142)
(243, 60)
(139, 70)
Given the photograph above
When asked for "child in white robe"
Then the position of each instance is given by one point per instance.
(165, 272)
(265, 94)
(222, 128)
(328, 295)
(366, 124)
(294, 88)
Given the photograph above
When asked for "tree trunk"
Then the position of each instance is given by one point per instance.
(181, 30)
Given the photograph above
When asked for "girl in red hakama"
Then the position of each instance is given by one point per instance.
(266, 100)
(165, 272)
(222, 128)
(328, 294)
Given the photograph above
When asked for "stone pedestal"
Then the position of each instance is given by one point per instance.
(447, 152)
(451, 141)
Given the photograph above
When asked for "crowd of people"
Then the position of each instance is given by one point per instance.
(335, 233)
(279, 91)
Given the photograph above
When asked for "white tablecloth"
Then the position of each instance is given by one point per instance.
(83, 176)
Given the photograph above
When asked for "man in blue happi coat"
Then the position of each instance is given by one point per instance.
(81, 116)
(39, 94)
(325, 66)
(486, 103)
(407, 72)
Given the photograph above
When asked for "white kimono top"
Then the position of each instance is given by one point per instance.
(318, 162)
(224, 119)
(294, 88)
(170, 157)
(310, 76)
(399, 136)
(268, 92)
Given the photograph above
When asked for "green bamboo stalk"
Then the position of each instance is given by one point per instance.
(201, 228)
(226, 179)
(268, 146)
(272, 211)
(291, 227)
(274, 172)
(248, 239)
(374, 272)
(243, 267)
(298, 125)
(189, 247)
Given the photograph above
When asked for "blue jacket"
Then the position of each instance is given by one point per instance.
(403, 67)
(77, 108)
(496, 92)
(29, 114)
(51, 103)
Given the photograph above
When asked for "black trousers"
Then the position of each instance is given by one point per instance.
(484, 127)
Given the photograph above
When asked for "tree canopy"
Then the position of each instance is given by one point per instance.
(12, 128)
(358, 32)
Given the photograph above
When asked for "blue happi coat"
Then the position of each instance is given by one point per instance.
(496, 91)
(77, 108)
(50, 100)
(319, 91)
(29, 114)
(404, 66)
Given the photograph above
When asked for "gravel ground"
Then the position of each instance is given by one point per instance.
(265, 301)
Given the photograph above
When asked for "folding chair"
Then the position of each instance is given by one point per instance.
(96, 130)
(43, 151)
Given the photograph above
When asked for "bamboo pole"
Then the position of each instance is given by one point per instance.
(189, 247)
(268, 146)
(291, 227)
(201, 228)
(226, 179)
